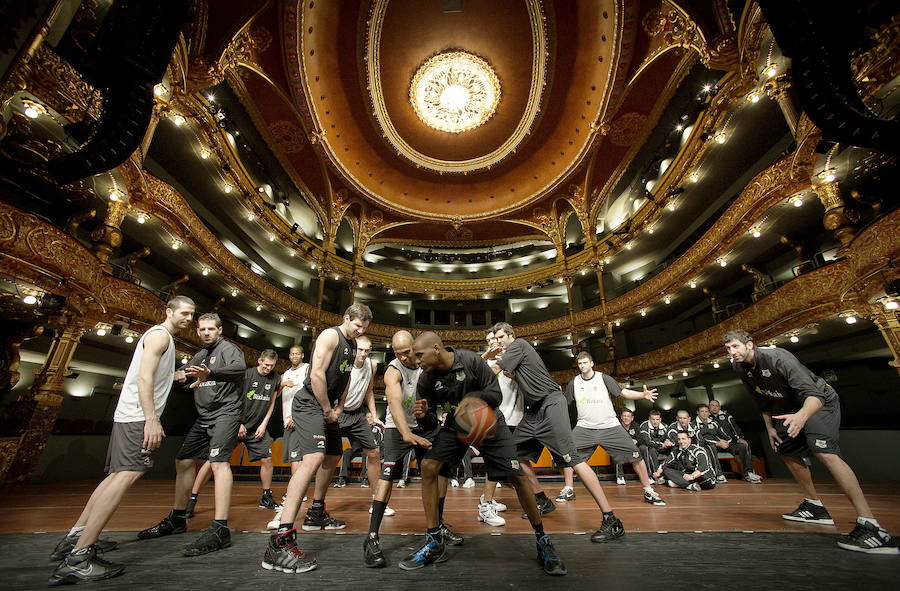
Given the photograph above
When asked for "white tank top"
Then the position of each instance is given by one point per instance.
(298, 376)
(409, 379)
(128, 409)
(359, 385)
(595, 408)
(512, 405)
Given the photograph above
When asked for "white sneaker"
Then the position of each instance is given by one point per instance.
(565, 495)
(660, 481)
(753, 478)
(620, 480)
(469, 483)
(498, 506)
(387, 511)
(454, 482)
(276, 521)
(721, 479)
(488, 514)
(694, 487)
(401, 484)
(671, 484)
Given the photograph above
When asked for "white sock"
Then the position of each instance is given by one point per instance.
(76, 531)
(865, 520)
(648, 489)
(815, 502)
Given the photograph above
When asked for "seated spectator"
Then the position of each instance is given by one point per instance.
(710, 432)
(653, 442)
(626, 417)
(726, 421)
(682, 424)
(688, 467)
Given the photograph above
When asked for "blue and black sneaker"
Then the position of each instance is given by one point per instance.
(432, 551)
(549, 559)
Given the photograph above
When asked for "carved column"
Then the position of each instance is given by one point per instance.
(838, 218)
(888, 322)
(108, 237)
(573, 334)
(31, 417)
(778, 89)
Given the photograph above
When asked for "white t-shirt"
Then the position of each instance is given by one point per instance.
(297, 376)
(592, 397)
(360, 377)
(512, 405)
(128, 409)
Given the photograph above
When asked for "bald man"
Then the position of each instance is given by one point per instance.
(403, 434)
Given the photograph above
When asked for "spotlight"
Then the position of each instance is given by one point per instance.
(129, 339)
(795, 338)
(30, 300)
(101, 332)
(850, 319)
(716, 365)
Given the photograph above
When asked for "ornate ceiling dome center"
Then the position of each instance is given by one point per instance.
(454, 92)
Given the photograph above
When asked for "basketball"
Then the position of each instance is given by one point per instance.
(478, 422)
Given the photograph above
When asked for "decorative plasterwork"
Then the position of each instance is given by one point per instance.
(533, 105)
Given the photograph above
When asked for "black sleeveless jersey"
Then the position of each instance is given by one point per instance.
(337, 374)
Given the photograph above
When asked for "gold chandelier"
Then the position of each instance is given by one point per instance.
(454, 92)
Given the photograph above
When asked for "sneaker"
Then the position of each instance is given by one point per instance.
(450, 537)
(454, 482)
(565, 495)
(546, 506)
(694, 487)
(319, 520)
(753, 478)
(431, 551)
(282, 554)
(341, 482)
(620, 480)
(810, 513)
(488, 515)
(169, 525)
(387, 511)
(373, 557)
(721, 479)
(671, 484)
(67, 544)
(610, 529)
(653, 498)
(469, 483)
(498, 506)
(266, 501)
(869, 538)
(276, 521)
(364, 484)
(189, 510)
(215, 537)
(660, 481)
(549, 559)
(401, 484)
(84, 566)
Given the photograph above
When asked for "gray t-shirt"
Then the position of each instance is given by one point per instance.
(532, 376)
(220, 394)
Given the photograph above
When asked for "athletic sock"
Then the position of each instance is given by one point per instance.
(179, 515)
(217, 523)
(648, 489)
(441, 510)
(865, 520)
(76, 531)
(538, 530)
(318, 505)
(541, 496)
(378, 508)
(608, 515)
(195, 496)
(436, 534)
(815, 502)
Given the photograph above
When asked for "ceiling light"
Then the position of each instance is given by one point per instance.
(754, 96)
(141, 218)
(337, 277)
(716, 365)
(101, 332)
(891, 304)
(454, 92)
(679, 127)
(560, 280)
(650, 230)
(583, 272)
(361, 284)
(184, 361)
(234, 293)
(593, 331)
(850, 319)
(796, 201)
(721, 137)
(684, 373)
(292, 253)
(668, 300)
(795, 338)
(176, 245)
(258, 308)
(281, 319)
(827, 175)
(694, 177)
(159, 90)
(30, 300)
(129, 339)
(115, 194)
(227, 188)
(618, 323)
(390, 292)
(693, 284)
(210, 97)
(671, 206)
(271, 239)
(628, 246)
(204, 153)
(204, 272)
(643, 312)
(707, 87)
(178, 120)
(33, 110)
(670, 377)
(756, 233)
(250, 217)
(723, 262)
(771, 70)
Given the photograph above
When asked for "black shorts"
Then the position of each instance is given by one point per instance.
(499, 451)
(312, 432)
(820, 435)
(290, 451)
(213, 441)
(395, 450)
(547, 426)
(258, 449)
(357, 429)
(615, 441)
(124, 452)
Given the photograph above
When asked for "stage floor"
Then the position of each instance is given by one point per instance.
(725, 554)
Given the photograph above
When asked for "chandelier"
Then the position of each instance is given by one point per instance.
(454, 92)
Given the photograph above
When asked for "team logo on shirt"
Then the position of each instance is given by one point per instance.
(460, 375)
(438, 385)
(212, 359)
(766, 373)
(514, 464)
(214, 451)
(821, 443)
(567, 458)
(635, 454)
(268, 386)
(293, 454)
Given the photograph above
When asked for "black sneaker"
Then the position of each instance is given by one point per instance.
(372, 554)
(189, 510)
(610, 529)
(451, 538)
(168, 526)
(432, 551)
(215, 537)
(810, 513)
(545, 505)
(266, 501)
(870, 539)
(319, 520)
(282, 554)
(654, 499)
(67, 544)
(341, 482)
(84, 566)
(549, 559)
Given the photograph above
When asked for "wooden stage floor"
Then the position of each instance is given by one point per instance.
(733, 507)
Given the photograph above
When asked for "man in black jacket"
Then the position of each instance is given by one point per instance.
(688, 467)
(802, 414)
(711, 433)
(653, 442)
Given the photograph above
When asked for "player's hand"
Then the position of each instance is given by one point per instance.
(650, 395)
(201, 372)
(153, 433)
(689, 477)
(794, 422)
(337, 411)
(744, 441)
(475, 451)
(722, 444)
(377, 422)
(774, 439)
(667, 443)
(658, 473)
(510, 374)
(260, 431)
(420, 407)
(492, 353)
(330, 417)
(635, 441)
(465, 405)
(242, 432)
(179, 375)
(289, 423)
(416, 440)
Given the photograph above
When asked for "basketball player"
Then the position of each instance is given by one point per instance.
(451, 379)
(807, 422)
(316, 410)
(688, 467)
(592, 392)
(710, 431)
(653, 442)
(259, 392)
(217, 371)
(546, 423)
(291, 383)
(403, 434)
(136, 433)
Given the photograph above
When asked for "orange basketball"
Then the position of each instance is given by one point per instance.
(478, 422)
